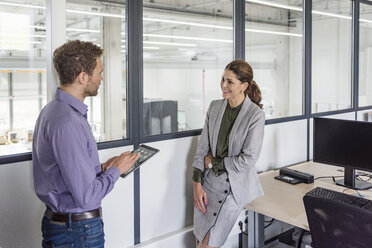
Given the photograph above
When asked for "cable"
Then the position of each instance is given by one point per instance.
(327, 177)
(360, 196)
(301, 237)
(270, 222)
(241, 226)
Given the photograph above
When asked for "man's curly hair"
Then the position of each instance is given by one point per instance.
(74, 57)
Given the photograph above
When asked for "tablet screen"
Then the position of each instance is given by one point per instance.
(146, 153)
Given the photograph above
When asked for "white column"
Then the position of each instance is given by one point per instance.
(56, 36)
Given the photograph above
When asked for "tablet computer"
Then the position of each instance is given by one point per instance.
(146, 153)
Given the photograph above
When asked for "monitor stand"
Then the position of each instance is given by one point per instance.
(350, 181)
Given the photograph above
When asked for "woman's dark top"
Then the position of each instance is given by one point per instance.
(227, 123)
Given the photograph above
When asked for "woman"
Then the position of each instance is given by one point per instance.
(225, 178)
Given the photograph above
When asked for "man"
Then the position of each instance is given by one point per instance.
(68, 176)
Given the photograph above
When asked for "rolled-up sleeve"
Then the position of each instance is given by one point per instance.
(70, 148)
(203, 146)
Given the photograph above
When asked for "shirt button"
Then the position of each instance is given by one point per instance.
(220, 202)
(215, 214)
(226, 191)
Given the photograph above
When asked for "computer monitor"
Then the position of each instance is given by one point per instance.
(344, 143)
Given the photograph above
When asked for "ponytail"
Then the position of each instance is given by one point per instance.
(254, 93)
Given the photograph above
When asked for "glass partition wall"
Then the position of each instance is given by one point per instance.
(273, 37)
(365, 55)
(103, 23)
(22, 72)
(331, 56)
(186, 46)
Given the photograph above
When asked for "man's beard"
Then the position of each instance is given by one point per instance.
(91, 92)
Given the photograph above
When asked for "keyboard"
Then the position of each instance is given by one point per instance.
(341, 197)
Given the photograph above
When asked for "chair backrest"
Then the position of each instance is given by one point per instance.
(337, 225)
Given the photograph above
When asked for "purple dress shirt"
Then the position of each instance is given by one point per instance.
(66, 168)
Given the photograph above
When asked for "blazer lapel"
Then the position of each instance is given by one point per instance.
(239, 118)
(217, 126)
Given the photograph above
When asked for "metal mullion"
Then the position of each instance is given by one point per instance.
(11, 101)
(307, 53)
(355, 55)
(285, 119)
(332, 112)
(239, 29)
(134, 39)
(364, 108)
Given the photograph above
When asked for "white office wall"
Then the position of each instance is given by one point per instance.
(21, 211)
(166, 192)
(117, 206)
(284, 144)
(166, 188)
(345, 116)
(166, 185)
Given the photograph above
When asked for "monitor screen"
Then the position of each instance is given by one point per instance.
(343, 143)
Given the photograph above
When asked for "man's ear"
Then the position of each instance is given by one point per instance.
(83, 78)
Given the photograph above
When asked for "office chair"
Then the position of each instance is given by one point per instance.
(335, 224)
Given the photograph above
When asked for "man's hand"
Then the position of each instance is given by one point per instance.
(207, 161)
(108, 164)
(200, 197)
(125, 161)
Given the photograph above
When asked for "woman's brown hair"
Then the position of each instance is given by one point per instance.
(244, 73)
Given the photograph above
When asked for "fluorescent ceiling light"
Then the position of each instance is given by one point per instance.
(272, 32)
(28, 35)
(83, 30)
(186, 38)
(365, 20)
(330, 14)
(22, 5)
(276, 5)
(169, 43)
(151, 48)
(187, 23)
(145, 47)
(67, 10)
(94, 13)
(282, 6)
(18, 41)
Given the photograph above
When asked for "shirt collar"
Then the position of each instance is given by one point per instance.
(65, 97)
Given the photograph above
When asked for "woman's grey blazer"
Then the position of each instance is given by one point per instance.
(245, 143)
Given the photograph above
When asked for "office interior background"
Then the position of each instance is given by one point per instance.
(163, 62)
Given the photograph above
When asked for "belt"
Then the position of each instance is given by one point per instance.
(63, 217)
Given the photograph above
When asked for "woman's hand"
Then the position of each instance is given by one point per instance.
(207, 161)
(200, 197)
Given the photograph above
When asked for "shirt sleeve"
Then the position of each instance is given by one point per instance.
(197, 175)
(203, 146)
(69, 145)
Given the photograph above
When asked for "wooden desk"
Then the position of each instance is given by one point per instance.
(283, 201)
